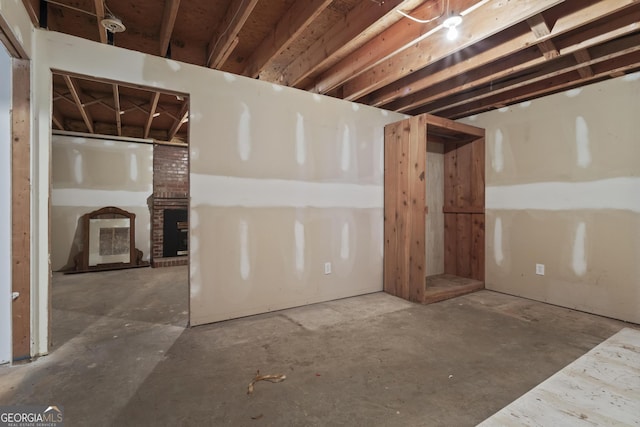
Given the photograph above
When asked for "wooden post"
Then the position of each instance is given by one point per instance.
(404, 186)
(20, 209)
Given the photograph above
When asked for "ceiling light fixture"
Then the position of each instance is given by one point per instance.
(113, 24)
(451, 24)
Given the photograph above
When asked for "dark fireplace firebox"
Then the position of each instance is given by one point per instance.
(176, 233)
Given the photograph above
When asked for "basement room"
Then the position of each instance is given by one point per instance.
(320, 212)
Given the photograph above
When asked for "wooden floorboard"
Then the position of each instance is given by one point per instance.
(445, 286)
(601, 388)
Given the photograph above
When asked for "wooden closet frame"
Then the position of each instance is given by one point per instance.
(405, 152)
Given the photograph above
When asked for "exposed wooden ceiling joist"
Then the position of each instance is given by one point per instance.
(561, 82)
(558, 67)
(96, 100)
(541, 30)
(184, 114)
(400, 36)
(99, 9)
(510, 56)
(237, 14)
(101, 104)
(168, 21)
(364, 51)
(152, 113)
(117, 111)
(501, 15)
(583, 57)
(299, 16)
(76, 94)
(359, 19)
(57, 119)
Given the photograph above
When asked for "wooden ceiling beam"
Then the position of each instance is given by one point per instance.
(109, 128)
(99, 7)
(398, 37)
(423, 83)
(512, 65)
(477, 26)
(166, 112)
(294, 21)
(76, 93)
(541, 30)
(152, 111)
(237, 14)
(332, 43)
(582, 56)
(57, 119)
(59, 95)
(116, 104)
(229, 50)
(138, 107)
(184, 114)
(96, 100)
(603, 69)
(560, 66)
(543, 89)
(168, 22)
(33, 10)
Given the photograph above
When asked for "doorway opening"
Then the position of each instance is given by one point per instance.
(120, 160)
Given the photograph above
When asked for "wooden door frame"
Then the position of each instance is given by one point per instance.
(20, 194)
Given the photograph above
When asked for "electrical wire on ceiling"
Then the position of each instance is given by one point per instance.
(109, 22)
(225, 31)
(452, 21)
(77, 9)
(424, 21)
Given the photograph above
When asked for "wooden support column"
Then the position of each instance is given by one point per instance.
(405, 192)
(20, 210)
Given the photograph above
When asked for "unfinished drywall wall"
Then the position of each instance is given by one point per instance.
(282, 181)
(19, 23)
(89, 174)
(563, 190)
(435, 203)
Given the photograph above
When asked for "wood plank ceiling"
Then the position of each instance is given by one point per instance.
(507, 51)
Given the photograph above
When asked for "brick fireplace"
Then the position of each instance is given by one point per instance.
(170, 200)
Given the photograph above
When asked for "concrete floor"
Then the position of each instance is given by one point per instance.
(122, 357)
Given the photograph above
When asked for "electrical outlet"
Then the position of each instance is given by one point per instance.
(540, 269)
(327, 268)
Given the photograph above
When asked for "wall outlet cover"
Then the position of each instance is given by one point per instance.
(540, 269)
(327, 268)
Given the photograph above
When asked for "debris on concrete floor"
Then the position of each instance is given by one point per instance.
(271, 378)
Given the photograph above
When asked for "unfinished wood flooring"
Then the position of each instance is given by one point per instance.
(444, 286)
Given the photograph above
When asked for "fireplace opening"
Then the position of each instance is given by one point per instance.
(176, 233)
